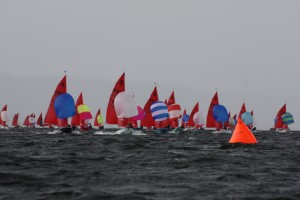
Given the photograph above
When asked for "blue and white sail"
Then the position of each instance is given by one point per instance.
(159, 111)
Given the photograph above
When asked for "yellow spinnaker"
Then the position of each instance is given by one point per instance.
(83, 108)
(100, 119)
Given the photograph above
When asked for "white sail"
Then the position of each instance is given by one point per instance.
(125, 105)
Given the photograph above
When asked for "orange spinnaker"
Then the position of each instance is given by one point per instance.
(242, 134)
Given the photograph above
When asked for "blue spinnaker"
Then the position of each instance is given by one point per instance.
(247, 118)
(220, 113)
(64, 106)
(185, 118)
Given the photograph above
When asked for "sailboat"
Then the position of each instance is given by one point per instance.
(191, 123)
(174, 114)
(31, 120)
(221, 116)
(282, 120)
(148, 120)
(4, 118)
(61, 107)
(99, 120)
(82, 116)
(159, 112)
(85, 116)
(198, 120)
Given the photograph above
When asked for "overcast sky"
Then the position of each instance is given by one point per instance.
(248, 50)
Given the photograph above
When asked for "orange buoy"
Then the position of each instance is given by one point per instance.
(242, 134)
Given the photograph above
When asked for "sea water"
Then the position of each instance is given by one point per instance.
(103, 165)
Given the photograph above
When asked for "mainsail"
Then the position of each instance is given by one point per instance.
(171, 99)
(39, 121)
(15, 122)
(76, 119)
(278, 120)
(148, 120)
(96, 123)
(243, 109)
(61, 88)
(111, 116)
(210, 121)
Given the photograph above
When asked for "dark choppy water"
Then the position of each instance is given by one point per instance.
(183, 166)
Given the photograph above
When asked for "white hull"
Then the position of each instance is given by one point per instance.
(223, 131)
(283, 131)
(125, 131)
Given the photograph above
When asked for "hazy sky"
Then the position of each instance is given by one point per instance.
(248, 50)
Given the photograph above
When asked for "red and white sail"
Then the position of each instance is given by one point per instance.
(198, 120)
(4, 111)
(174, 114)
(195, 110)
